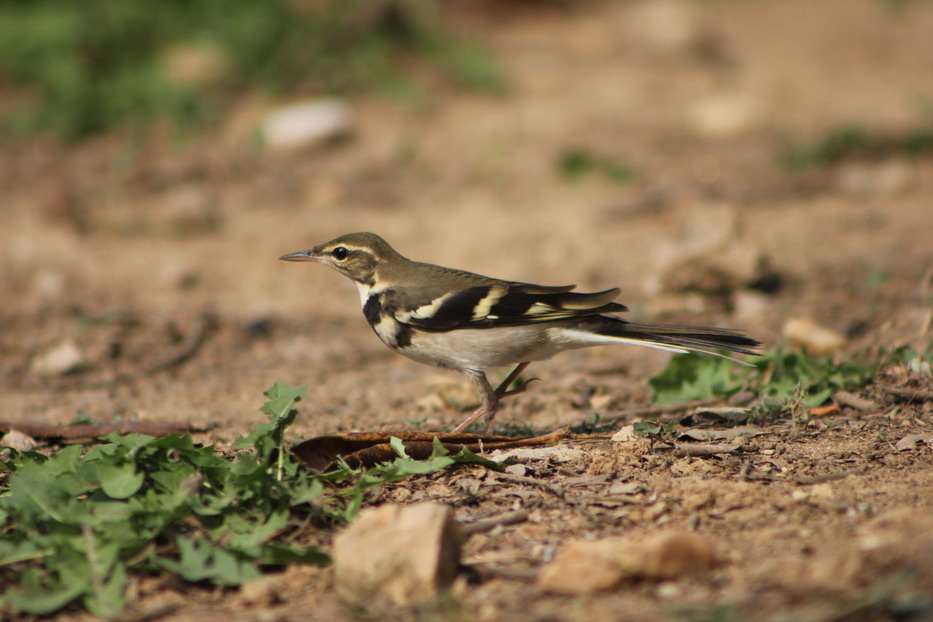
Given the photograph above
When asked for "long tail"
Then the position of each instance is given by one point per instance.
(676, 338)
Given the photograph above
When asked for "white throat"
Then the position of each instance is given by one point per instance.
(365, 291)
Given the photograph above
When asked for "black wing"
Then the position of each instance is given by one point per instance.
(501, 303)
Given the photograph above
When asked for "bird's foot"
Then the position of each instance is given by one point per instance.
(502, 391)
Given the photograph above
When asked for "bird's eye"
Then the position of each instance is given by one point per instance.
(340, 253)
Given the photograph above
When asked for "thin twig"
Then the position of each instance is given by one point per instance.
(487, 524)
(855, 401)
(201, 327)
(94, 430)
(826, 477)
(531, 481)
(654, 411)
(909, 394)
(698, 450)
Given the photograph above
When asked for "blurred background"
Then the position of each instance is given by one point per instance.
(762, 165)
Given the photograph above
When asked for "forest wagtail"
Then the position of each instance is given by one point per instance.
(469, 322)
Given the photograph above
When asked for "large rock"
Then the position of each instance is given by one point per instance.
(403, 554)
(584, 567)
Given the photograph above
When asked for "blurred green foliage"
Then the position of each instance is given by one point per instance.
(85, 67)
(851, 142)
(575, 163)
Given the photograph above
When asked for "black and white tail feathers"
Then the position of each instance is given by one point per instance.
(675, 338)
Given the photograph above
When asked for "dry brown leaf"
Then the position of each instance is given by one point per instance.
(911, 440)
(710, 434)
(700, 449)
(89, 432)
(366, 449)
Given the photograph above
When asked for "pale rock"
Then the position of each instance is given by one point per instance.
(625, 434)
(601, 402)
(817, 340)
(825, 491)
(895, 177)
(49, 284)
(517, 469)
(585, 567)
(404, 554)
(889, 178)
(815, 494)
(18, 441)
(60, 359)
(191, 210)
(724, 114)
(750, 306)
(559, 454)
(665, 24)
(306, 123)
(261, 592)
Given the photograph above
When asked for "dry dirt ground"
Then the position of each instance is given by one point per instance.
(121, 245)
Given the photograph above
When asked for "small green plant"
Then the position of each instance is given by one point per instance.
(856, 143)
(917, 362)
(779, 374)
(695, 376)
(77, 524)
(84, 68)
(663, 431)
(577, 163)
(810, 379)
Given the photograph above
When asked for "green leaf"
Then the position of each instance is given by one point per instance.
(107, 598)
(279, 554)
(119, 481)
(780, 373)
(398, 446)
(694, 376)
(76, 525)
(201, 560)
(646, 429)
(465, 456)
(41, 594)
(282, 399)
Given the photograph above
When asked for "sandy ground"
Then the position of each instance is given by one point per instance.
(120, 245)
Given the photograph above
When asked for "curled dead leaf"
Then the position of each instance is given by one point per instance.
(912, 440)
(366, 449)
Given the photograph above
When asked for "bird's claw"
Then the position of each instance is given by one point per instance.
(521, 388)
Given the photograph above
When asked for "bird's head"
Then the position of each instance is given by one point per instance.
(356, 255)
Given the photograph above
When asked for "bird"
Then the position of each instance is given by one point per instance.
(468, 322)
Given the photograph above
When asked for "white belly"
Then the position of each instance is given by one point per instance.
(479, 349)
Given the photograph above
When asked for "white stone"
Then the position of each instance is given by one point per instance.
(306, 123)
(59, 360)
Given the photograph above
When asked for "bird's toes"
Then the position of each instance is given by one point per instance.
(520, 388)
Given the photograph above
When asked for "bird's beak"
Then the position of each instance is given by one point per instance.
(307, 255)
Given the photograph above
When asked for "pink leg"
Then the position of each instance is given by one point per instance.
(489, 398)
